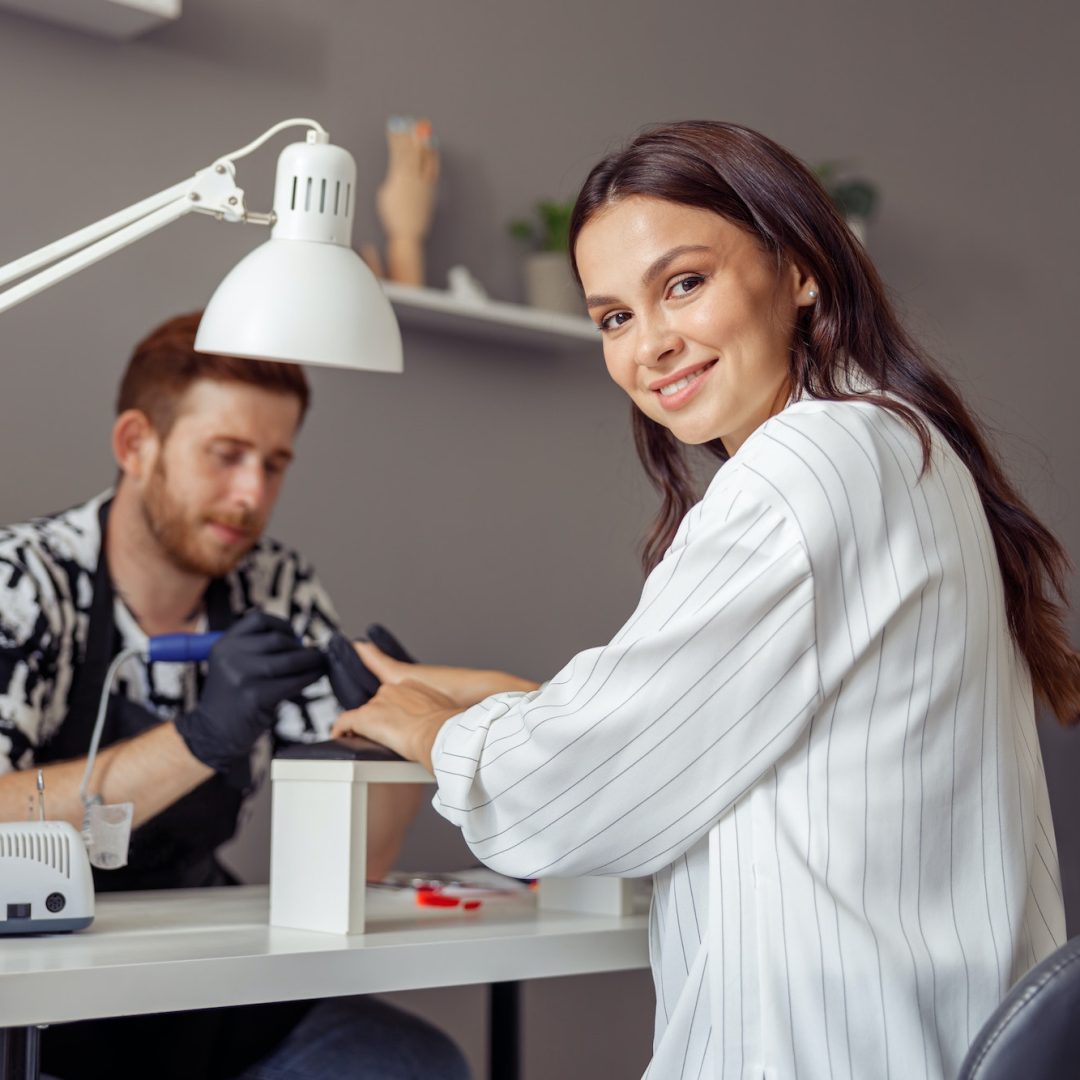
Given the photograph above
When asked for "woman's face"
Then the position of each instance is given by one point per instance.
(697, 319)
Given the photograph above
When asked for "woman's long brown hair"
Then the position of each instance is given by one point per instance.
(756, 184)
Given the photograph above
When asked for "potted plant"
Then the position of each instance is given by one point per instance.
(855, 197)
(549, 283)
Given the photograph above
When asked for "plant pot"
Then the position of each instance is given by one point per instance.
(550, 284)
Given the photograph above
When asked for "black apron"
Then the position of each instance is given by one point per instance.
(173, 850)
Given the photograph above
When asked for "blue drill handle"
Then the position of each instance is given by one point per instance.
(181, 648)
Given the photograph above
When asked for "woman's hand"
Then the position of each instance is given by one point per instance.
(464, 687)
(405, 716)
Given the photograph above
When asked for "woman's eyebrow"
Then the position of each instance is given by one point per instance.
(600, 301)
(665, 260)
(652, 273)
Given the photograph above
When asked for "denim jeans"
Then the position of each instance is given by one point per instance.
(356, 1038)
(361, 1038)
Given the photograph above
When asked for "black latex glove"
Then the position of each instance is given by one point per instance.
(351, 680)
(253, 668)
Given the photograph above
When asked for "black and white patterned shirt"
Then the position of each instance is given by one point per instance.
(46, 588)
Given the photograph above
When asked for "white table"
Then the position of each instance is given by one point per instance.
(202, 948)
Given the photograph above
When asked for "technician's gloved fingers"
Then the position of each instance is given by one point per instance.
(339, 647)
(258, 643)
(221, 745)
(299, 660)
(349, 696)
(274, 691)
(256, 665)
(257, 621)
(353, 684)
(382, 639)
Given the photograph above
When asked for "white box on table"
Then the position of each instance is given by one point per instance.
(318, 839)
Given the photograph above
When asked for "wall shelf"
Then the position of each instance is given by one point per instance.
(510, 324)
(108, 18)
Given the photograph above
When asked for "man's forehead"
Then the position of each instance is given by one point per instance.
(238, 410)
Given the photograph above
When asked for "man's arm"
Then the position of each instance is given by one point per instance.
(391, 809)
(151, 770)
(256, 664)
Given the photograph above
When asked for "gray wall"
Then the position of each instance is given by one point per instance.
(484, 476)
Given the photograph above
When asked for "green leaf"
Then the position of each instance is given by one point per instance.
(553, 230)
(852, 196)
(522, 230)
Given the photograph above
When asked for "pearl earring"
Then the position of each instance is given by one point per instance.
(812, 294)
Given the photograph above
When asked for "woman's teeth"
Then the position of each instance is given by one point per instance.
(675, 387)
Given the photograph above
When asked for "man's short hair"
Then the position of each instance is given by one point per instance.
(165, 364)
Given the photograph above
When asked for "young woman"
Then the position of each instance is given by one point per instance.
(817, 730)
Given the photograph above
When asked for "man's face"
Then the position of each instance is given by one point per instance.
(217, 474)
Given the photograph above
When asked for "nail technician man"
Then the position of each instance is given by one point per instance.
(203, 444)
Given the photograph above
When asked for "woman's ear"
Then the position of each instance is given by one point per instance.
(135, 443)
(804, 288)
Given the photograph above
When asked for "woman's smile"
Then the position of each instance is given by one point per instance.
(676, 390)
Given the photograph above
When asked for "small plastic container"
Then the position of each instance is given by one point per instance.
(108, 830)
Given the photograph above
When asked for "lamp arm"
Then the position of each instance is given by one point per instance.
(211, 191)
(93, 253)
(84, 237)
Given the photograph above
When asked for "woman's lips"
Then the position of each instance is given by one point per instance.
(680, 397)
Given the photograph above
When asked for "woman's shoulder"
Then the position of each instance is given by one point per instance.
(854, 441)
(821, 463)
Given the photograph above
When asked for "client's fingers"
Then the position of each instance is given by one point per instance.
(385, 668)
(378, 635)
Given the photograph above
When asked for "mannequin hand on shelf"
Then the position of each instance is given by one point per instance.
(405, 200)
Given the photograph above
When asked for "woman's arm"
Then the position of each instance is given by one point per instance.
(628, 756)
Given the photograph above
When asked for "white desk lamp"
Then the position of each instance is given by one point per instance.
(303, 296)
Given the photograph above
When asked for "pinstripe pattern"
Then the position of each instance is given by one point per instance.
(817, 735)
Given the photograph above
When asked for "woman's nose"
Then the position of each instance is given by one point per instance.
(658, 341)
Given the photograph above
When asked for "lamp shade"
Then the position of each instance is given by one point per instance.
(306, 302)
(305, 296)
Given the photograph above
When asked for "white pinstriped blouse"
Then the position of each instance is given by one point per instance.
(817, 735)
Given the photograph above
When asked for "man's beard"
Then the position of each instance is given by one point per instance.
(178, 535)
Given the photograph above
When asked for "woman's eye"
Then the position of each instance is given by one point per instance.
(614, 320)
(685, 286)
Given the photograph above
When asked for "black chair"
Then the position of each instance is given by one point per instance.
(1034, 1034)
